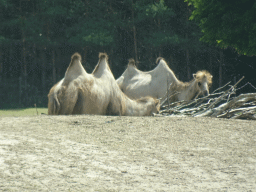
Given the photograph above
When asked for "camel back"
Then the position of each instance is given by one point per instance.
(159, 59)
(131, 62)
(75, 56)
(101, 57)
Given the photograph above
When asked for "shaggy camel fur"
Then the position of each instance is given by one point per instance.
(97, 93)
(135, 83)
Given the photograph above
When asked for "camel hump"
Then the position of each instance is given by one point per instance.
(103, 56)
(75, 57)
(159, 59)
(131, 62)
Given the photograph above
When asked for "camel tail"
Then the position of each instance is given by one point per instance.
(131, 62)
(53, 106)
(75, 57)
(158, 60)
(103, 56)
(56, 105)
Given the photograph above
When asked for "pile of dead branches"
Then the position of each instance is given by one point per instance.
(221, 104)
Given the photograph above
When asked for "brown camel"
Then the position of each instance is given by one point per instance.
(97, 93)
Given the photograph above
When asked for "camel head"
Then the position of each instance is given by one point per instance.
(152, 104)
(203, 82)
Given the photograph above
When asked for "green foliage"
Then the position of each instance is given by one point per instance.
(93, 23)
(100, 38)
(158, 10)
(157, 24)
(35, 31)
(227, 24)
(2, 39)
(158, 39)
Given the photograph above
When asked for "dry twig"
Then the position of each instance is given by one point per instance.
(220, 104)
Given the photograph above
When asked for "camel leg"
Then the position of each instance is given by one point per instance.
(68, 101)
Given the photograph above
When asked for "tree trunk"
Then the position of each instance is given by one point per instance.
(53, 67)
(11, 61)
(84, 56)
(160, 47)
(24, 71)
(43, 70)
(210, 60)
(58, 61)
(188, 64)
(23, 53)
(35, 63)
(220, 67)
(150, 58)
(5, 64)
(135, 45)
(134, 37)
(1, 65)
(187, 50)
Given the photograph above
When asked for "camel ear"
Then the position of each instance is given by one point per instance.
(194, 75)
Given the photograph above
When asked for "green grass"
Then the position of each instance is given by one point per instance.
(22, 112)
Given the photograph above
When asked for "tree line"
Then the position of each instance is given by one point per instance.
(37, 39)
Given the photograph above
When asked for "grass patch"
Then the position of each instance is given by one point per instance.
(22, 112)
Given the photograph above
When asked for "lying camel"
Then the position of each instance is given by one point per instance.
(135, 83)
(97, 93)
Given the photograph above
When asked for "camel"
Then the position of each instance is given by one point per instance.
(96, 93)
(135, 83)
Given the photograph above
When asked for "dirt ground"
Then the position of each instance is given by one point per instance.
(104, 153)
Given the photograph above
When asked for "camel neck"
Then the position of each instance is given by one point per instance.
(192, 89)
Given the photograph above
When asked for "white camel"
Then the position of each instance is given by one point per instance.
(135, 83)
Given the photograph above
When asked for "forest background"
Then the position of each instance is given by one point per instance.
(38, 37)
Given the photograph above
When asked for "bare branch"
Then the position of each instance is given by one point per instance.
(221, 104)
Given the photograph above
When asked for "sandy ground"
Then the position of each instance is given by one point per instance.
(103, 153)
